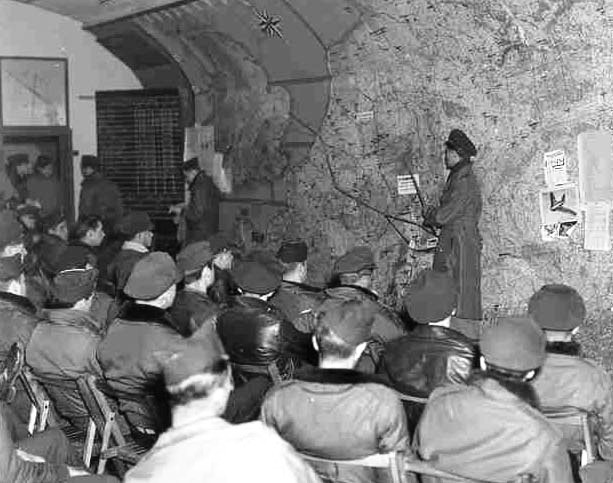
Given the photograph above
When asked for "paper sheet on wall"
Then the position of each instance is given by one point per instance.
(406, 184)
(595, 151)
(597, 229)
(200, 143)
(222, 177)
(554, 164)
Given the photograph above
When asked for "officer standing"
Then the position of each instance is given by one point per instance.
(459, 246)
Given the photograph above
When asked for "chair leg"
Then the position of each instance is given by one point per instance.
(89, 443)
(106, 436)
(44, 414)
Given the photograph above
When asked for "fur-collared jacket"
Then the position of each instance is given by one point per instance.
(132, 355)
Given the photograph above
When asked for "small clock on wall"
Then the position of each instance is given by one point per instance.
(33, 91)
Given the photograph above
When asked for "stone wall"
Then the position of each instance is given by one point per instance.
(521, 77)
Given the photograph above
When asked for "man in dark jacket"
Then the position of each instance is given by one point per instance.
(53, 242)
(137, 228)
(193, 307)
(459, 246)
(130, 352)
(99, 196)
(63, 347)
(432, 354)
(201, 213)
(44, 187)
(294, 298)
(256, 333)
(335, 411)
(354, 271)
(566, 379)
(89, 233)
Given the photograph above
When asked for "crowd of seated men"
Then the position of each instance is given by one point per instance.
(228, 366)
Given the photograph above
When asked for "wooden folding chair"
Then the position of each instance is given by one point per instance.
(113, 444)
(271, 370)
(394, 462)
(40, 403)
(576, 417)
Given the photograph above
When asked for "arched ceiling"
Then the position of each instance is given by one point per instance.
(192, 34)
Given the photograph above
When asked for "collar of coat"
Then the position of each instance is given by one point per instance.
(303, 286)
(146, 313)
(337, 376)
(74, 318)
(340, 289)
(21, 302)
(134, 246)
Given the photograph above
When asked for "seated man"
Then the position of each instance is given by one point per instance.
(128, 352)
(193, 306)
(137, 228)
(89, 233)
(53, 242)
(63, 347)
(566, 379)
(255, 333)
(334, 411)
(294, 298)
(492, 429)
(200, 446)
(355, 274)
(432, 354)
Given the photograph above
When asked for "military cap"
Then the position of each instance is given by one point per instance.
(11, 232)
(152, 276)
(133, 223)
(90, 161)
(18, 158)
(73, 257)
(70, 286)
(557, 307)
(43, 160)
(220, 241)
(194, 257)
(190, 164)
(255, 277)
(293, 251)
(430, 297)
(355, 260)
(516, 344)
(197, 355)
(351, 320)
(11, 267)
(460, 143)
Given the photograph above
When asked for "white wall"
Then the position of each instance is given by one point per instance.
(30, 31)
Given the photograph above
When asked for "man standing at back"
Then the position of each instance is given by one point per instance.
(99, 196)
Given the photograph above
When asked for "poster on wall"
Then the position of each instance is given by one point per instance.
(200, 143)
(554, 164)
(595, 151)
(559, 209)
(34, 91)
(597, 227)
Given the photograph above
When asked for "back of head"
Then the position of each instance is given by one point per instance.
(514, 344)
(557, 307)
(133, 223)
(430, 297)
(90, 161)
(151, 277)
(73, 285)
(256, 277)
(192, 259)
(342, 325)
(85, 224)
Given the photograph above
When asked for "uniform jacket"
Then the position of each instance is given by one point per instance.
(47, 191)
(191, 309)
(202, 212)
(386, 327)
(566, 380)
(119, 270)
(100, 196)
(254, 332)
(459, 247)
(482, 431)
(62, 349)
(18, 321)
(337, 414)
(131, 356)
(13, 469)
(207, 449)
(296, 299)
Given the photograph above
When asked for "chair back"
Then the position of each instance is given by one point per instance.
(393, 462)
(572, 416)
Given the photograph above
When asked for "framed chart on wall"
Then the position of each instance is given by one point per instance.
(34, 91)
